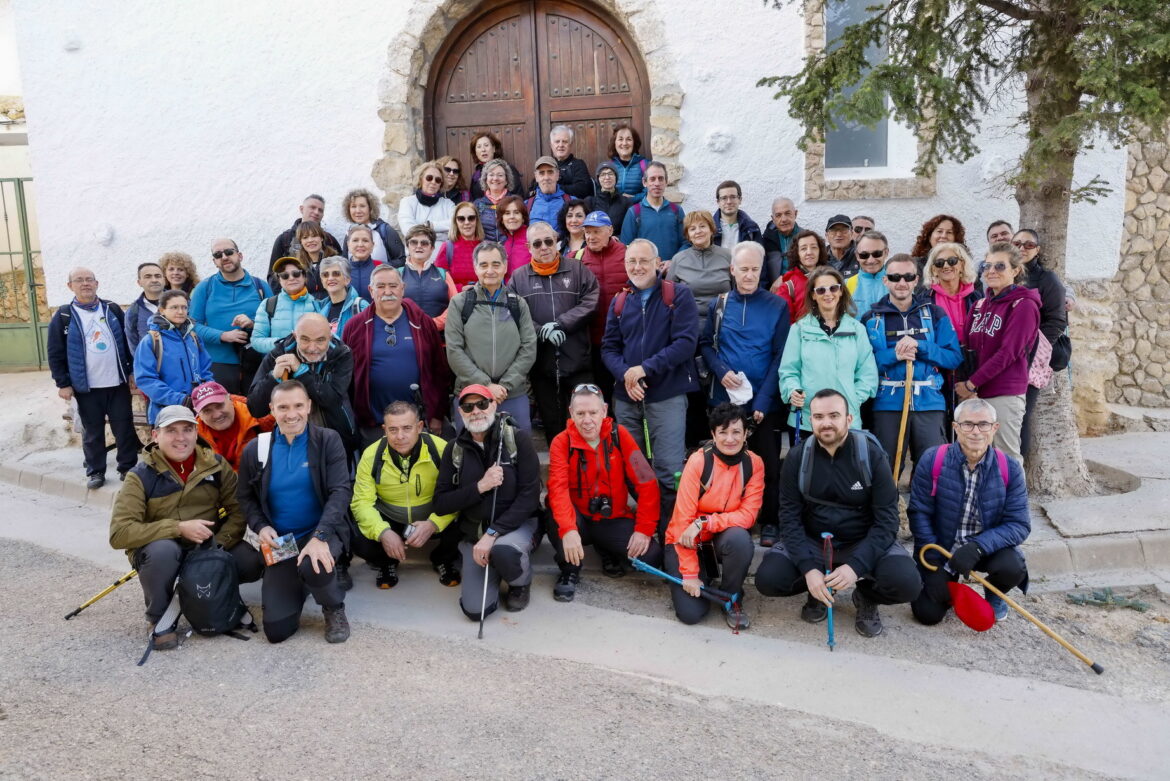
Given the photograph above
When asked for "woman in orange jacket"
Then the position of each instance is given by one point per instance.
(719, 495)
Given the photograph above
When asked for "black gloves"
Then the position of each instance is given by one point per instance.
(965, 557)
(935, 586)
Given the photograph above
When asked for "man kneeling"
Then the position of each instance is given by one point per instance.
(973, 501)
(719, 496)
(179, 476)
(841, 483)
(590, 464)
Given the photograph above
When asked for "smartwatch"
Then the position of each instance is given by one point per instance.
(492, 533)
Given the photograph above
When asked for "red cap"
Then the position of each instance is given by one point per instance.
(477, 389)
(208, 393)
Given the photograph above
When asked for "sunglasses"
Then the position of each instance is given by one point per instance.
(451, 170)
(391, 334)
(860, 229)
(1001, 266)
(433, 178)
(331, 275)
(877, 253)
(468, 406)
(223, 253)
(901, 277)
(969, 426)
(294, 274)
(820, 291)
(952, 261)
(545, 242)
(467, 218)
(1025, 244)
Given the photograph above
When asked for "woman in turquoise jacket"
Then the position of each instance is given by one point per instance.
(276, 317)
(170, 360)
(827, 348)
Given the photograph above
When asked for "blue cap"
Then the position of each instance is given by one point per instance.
(598, 219)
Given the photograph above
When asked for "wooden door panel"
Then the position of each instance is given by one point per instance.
(515, 138)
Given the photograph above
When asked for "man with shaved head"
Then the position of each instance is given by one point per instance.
(781, 232)
(90, 363)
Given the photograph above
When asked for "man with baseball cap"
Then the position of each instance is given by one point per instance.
(178, 477)
(605, 256)
(546, 203)
(839, 236)
(490, 475)
(225, 422)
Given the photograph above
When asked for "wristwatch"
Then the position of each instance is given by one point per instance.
(492, 533)
(701, 521)
(321, 535)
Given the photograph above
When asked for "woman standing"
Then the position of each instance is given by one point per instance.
(341, 301)
(1000, 337)
(170, 360)
(360, 242)
(485, 147)
(425, 283)
(703, 267)
(276, 317)
(312, 248)
(937, 230)
(950, 283)
(571, 229)
(806, 253)
(360, 207)
(454, 186)
(427, 206)
(498, 185)
(455, 255)
(179, 271)
(607, 198)
(828, 348)
(513, 231)
(624, 149)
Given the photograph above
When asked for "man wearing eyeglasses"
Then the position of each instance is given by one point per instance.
(561, 294)
(222, 308)
(839, 237)
(861, 224)
(973, 501)
(903, 327)
(312, 209)
(733, 225)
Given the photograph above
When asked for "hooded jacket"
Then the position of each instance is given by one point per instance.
(1001, 334)
(352, 305)
(748, 229)
(412, 211)
(609, 267)
(662, 339)
(546, 206)
(567, 297)
(457, 257)
(216, 302)
(707, 272)
(937, 350)
(751, 340)
(847, 265)
(267, 331)
(792, 288)
(958, 307)
(515, 248)
(1053, 312)
(66, 346)
(490, 347)
(185, 364)
(813, 360)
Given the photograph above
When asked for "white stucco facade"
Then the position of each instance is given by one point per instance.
(157, 127)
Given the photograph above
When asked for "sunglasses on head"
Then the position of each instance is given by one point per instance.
(432, 178)
(877, 253)
(223, 253)
(296, 273)
(587, 387)
(466, 218)
(468, 406)
(902, 277)
(1025, 244)
(1000, 266)
(833, 288)
(952, 261)
(545, 242)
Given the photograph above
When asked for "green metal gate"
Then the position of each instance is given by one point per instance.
(23, 310)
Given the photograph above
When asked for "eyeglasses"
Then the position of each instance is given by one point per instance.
(294, 274)
(432, 178)
(223, 253)
(969, 426)
(901, 277)
(451, 170)
(419, 242)
(545, 242)
(468, 406)
(877, 253)
(331, 274)
(952, 261)
(1025, 244)
(859, 229)
(467, 218)
(83, 280)
(728, 198)
(1001, 266)
(820, 291)
(391, 334)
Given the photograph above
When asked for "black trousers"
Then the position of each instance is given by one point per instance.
(767, 443)
(94, 407)
(1005, 570)
(286, 584)
(734, 549)
(228, 375)
(158, 565)
(446, 552)
(924, 430)
(554, 410)
(1026, 426)
(609, 536)
(601, 376)
(894, 579)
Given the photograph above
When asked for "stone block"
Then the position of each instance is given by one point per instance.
(1050, 558)
(667, 98)
(10, 473)
(1156, 549)
(665, 146)
(1091, 554)
(30, 479)
(1157, 180)
(665, 124)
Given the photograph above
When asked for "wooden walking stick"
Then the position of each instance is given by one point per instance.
(907, 389)
(979, 579)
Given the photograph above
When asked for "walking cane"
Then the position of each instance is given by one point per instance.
(104, 592)
(827, 549)
(495, 493)
(979, 579)
(907, 388)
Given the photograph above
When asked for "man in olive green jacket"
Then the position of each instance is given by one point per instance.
(179, 494)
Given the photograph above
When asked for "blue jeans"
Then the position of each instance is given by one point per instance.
(667, 421)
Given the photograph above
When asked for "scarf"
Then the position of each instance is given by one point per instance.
(546, 269)
(87, 307)
(427, 200)
(297, 296)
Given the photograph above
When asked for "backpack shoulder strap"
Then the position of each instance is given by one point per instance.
(529, 202)
(514, 307)
(376, 470)
(806, 464)
(263, 447)
(270, 306)
(668, 293)
(156, 343)
(717, 323)
(1001, 458)
(673, 207)
(862, 438)
(936, 467)
(637, 209)
(619, 301)
(791, 287)
(708, 468)
(259, 288)
(449, 248)
(508, 431)
(469, 300)
(432, 448)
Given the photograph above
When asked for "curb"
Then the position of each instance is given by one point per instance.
(54, 485)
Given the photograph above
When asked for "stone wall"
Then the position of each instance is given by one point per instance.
(1094, 361)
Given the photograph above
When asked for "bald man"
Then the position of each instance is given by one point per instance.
(90, 363)
(781, 232)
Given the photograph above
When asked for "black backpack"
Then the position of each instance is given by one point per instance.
(209, 592)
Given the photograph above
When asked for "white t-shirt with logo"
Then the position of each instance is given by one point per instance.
(101, 356)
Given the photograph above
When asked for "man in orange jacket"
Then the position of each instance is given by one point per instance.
(224, 421)
(592, 465)
(721, 491)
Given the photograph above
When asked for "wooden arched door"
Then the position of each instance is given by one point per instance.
(521, 68)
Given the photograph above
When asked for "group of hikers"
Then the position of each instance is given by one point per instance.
(702, 386)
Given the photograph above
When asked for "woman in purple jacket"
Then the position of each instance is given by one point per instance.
(1000, 335)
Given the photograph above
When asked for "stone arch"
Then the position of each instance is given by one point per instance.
(402, 90)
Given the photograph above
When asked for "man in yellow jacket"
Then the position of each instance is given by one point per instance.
(392, 495)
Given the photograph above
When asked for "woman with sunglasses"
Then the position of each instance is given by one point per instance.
(805, 253)
(427, 285)
(937, 230)
(1000, 337)
(340, 301)
(179, 271)
(361, 208)
(427, 206)
(455, 254)
(454, 186)
(827, 348)
(1053, 316)
(277, 316)
(513, 232)
(951, 284)
(485, 147)
(497, 186)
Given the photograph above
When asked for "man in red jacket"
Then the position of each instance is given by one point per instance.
(605, 256)
(592, 464)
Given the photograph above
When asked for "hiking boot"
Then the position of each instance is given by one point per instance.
(998, 605)
(814, 611)
(736, 618)
(387, 576)
(167, 641)
(449, 574)
(868, 623)
(336, 624)
(95, 482)
(566, 587)
(517, 598)
(611, 567)
(344, 579)
(769, 534)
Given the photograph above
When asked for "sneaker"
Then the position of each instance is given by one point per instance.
(868, 623)
(612, 567)
(736, 618)
(517, 598)
(814, 611)
(387, 576)
(95, 482)
(769, 534)
(998, 605)
(166, 641)
(344, 579)
(336, 624)
(449, 574)
(566, 587)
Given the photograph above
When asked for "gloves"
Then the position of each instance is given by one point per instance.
(935, 586)
(965, 557)
(550, 333)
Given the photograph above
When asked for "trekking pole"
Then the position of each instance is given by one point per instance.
(827, 549)
(796, 436)
(495, 493)
(909, 385)
(979, 579)
(104, 592)
(706, 592)
(418, 402)
(646, 425)
(557, 374)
